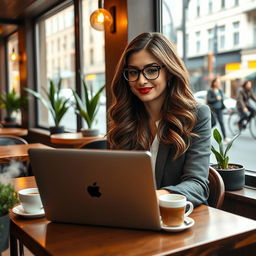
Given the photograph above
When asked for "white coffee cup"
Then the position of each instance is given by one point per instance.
(30, 200)
(173, 209)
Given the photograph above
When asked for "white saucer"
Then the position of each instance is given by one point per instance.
(20, 211)
(179, 228)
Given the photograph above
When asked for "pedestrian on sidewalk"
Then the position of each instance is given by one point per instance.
(215, 98)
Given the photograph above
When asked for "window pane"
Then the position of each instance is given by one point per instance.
(236, 33)
(172, 18)
(55, 44)
(94, 61)
(13, 67)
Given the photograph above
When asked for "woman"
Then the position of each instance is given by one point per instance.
(215, 101)
(245, 109)
(154, 109)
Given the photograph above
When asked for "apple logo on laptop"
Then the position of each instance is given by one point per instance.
(94, 190)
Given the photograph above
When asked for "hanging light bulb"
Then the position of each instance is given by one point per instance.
(14, 55)
(101, 18)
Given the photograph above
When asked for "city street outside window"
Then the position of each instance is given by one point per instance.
(55, 36)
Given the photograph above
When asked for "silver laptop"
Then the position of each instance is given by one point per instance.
(97, 187)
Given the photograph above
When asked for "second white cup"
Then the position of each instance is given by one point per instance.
(30, 200)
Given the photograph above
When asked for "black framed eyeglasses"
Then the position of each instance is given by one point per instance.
(150, 73)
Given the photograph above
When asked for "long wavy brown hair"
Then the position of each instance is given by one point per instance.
(128, 118)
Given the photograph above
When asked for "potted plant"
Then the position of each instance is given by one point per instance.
(232, 174)
(88, 108)
(55, 103)
(8, 198)
(12, 103)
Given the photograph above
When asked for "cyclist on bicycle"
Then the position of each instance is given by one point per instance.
(245, 109)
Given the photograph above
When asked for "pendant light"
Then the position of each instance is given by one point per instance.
(101, 18)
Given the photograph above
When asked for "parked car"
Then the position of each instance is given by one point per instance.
(229, 103)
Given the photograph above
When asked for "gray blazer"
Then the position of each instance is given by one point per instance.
(188, 174)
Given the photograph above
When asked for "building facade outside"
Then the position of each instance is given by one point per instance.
(221, 41)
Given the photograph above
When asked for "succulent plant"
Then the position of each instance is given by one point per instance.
(90, 106)
(221, 155)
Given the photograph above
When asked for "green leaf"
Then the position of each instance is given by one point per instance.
(217, 136)
(12, 102)
(222, 158)
(8, 198)
(88, 105)
(56, 105)
(38, 96)
(225, 163)
(218, 156)
(229, 145)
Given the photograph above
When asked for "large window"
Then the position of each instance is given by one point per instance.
(13, 67)
(55, 37)
(198, 42)
(13, 63)
(254, 31)
(56, 59)
(210, 6)
(236, 33)
(94, 61)
(223, 4)
(221, 35)
(172, 18)
(198, 4)
(210, 40)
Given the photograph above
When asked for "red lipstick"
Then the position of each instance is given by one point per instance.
(144, 90)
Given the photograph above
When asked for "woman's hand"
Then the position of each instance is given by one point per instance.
(162, 192)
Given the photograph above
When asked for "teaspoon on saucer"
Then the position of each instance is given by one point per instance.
(187, 221)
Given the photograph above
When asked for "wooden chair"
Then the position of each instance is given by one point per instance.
(97, 144)
(217, 189)
(13, 140)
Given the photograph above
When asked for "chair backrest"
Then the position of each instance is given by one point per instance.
(217, 189)
(97, 144)
(11, 140)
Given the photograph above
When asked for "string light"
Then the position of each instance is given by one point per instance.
(13, 56)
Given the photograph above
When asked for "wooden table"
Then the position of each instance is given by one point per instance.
(18, 152)
(214, 231)
(10, 124)
(13, 131)
(76, 139)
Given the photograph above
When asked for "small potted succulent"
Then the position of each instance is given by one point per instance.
(12, 103)
(55, 103)
(232, 174)
(87, 107)
(8, 198)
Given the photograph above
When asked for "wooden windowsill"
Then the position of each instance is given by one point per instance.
(241, 202)
(247, 194)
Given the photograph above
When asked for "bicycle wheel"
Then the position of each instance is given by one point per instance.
(252, 127)
(233, 123)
